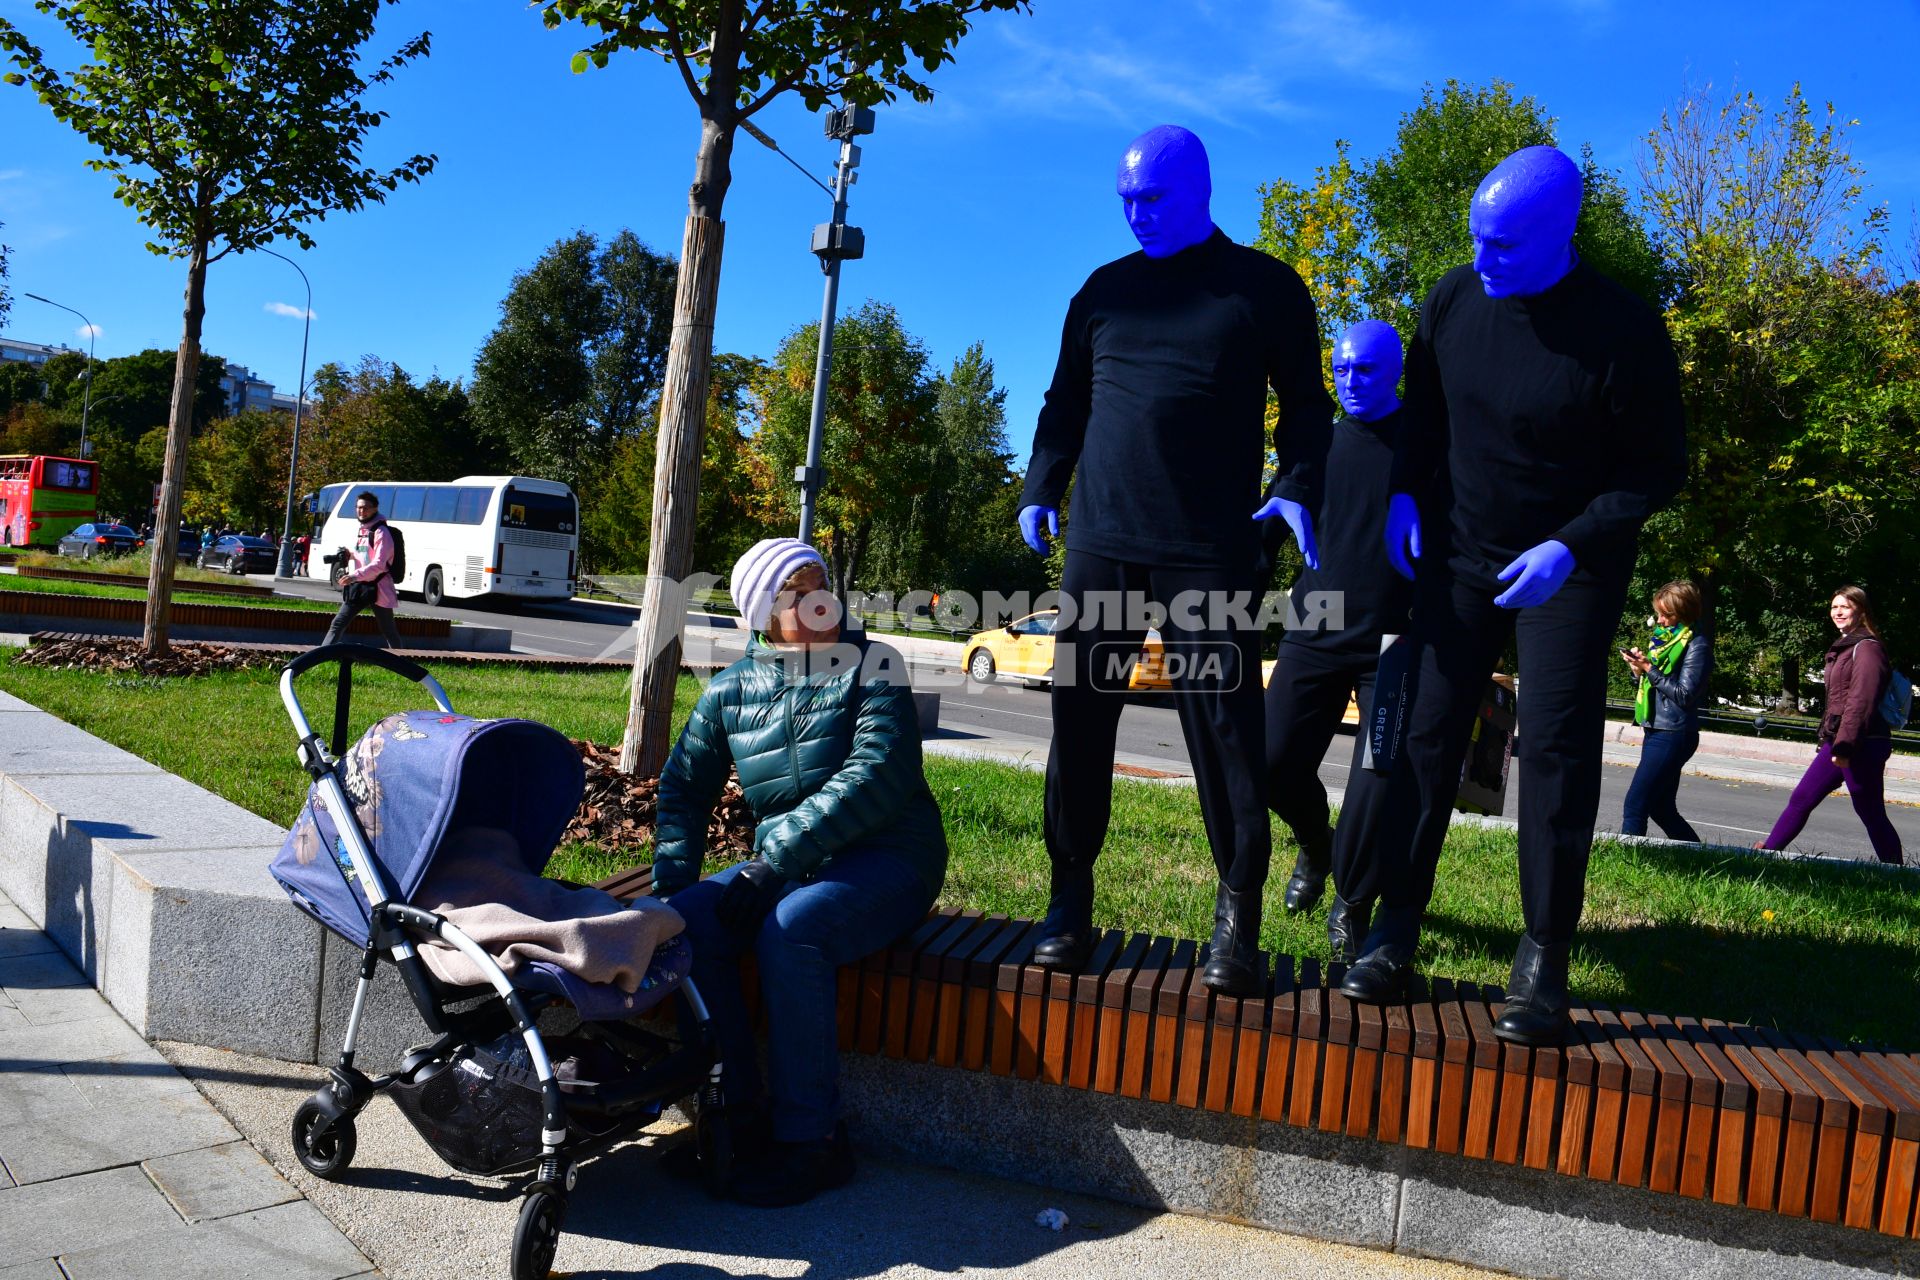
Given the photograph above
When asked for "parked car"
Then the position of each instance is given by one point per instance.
(240, 553)
(189, 546)
(90, 540)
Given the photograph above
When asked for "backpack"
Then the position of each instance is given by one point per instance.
(398, 569)
(1896, 704)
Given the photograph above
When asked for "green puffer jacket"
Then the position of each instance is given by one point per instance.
(827, 761)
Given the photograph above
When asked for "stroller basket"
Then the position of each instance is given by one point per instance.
(480, 1113)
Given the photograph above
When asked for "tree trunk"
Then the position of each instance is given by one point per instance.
(1789, 684)
(166, 521)
(676, 471)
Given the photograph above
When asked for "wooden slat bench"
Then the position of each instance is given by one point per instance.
(1794, 1125)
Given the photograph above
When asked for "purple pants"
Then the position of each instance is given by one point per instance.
(1864, 775)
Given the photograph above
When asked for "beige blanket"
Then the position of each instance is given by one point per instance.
(478, 884)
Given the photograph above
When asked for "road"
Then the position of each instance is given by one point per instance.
(1011, 717)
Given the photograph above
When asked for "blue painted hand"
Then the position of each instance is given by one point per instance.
(1540, 571)
(1299, 521)
(1031, 521)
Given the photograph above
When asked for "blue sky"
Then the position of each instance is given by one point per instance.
(983, 210)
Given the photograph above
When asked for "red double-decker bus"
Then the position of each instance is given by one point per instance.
(43, 499)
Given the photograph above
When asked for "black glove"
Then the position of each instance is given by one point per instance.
(748, 897)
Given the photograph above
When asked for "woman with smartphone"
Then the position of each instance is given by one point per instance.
(1673, 673)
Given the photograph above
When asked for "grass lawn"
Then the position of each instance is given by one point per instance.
(136, 564)
(1810, 948)
(135, 590)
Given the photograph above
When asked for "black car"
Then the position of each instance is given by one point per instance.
(238, 553)
(90, 540)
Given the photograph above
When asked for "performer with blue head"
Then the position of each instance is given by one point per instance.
(1340, 609)
(1158, 407)
(1546, 426)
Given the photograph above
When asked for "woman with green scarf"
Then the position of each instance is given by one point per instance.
(1673, 680)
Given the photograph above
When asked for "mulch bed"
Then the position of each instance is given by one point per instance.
(125, 654)
(617, 810)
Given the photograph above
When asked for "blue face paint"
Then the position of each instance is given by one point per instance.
(1164, 185)
(1366, 370)
(1522, 221)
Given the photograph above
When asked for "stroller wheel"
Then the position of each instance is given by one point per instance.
(713, 1141)
(324, 1155)
(538, 1235)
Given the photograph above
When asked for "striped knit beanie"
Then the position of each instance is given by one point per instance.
(758, 575)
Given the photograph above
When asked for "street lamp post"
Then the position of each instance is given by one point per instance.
(86, 400)
(834, 242)
(299, 405)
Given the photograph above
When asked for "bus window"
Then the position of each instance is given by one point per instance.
(57, 473)
(472, 505)
(441, 501)
(383, 494)
(408, 500)
(544, 512)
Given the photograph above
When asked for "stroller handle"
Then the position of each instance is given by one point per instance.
(346, 655)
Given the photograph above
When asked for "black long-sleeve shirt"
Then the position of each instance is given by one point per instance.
(1554, 417)
(1159, 400)
(1373, 599)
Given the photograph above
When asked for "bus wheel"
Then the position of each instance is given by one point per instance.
(430, 587)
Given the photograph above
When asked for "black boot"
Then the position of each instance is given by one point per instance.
(1233, 958)
(1067, 934)
(795, 1172)
(1310, 872)
(1347, 926)
(1536, 1012)
(1385, 966)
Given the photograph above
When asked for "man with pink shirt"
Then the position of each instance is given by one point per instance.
(372, 562)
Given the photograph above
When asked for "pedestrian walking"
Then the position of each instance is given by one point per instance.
(1855, 737)
(368, 583)
(1673, 672)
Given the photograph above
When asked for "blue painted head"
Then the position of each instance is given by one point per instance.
(1522, 221)
(1164, 184)
(1366, 370)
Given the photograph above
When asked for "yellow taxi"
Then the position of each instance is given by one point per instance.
(1023, 650)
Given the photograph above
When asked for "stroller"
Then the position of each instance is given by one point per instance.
(485, 1092)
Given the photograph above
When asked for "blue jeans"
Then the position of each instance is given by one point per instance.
(1655, 790)
(860, 901)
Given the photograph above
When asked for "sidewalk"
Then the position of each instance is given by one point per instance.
(112, 1164)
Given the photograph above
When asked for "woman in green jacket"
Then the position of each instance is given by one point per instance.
(849, 852)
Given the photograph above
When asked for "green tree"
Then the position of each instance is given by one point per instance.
(882, 424)
(1800, 369)
(238, 473)
(20, 384)
(574, 366)
(736, 57)
(375, 422)
(223, 124)
(1371, 240)
(735, 490)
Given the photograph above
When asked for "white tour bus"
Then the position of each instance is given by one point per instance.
(496, 536)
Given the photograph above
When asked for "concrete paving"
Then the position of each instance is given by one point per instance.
(112, 1165)
(419, 1221)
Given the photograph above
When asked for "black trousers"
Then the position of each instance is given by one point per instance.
(1564, 645)
(1216, 689)
(382, 618)
(1306, 700)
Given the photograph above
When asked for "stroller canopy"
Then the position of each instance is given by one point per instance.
(413, 778)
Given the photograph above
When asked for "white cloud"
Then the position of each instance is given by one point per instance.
(289, 310)
(89, 331)
(1241, 67)
(8, 175)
